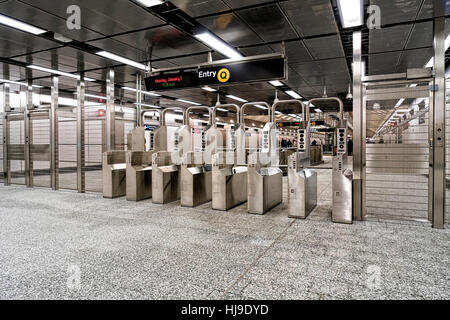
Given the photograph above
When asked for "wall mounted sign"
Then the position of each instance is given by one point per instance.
(251, 71)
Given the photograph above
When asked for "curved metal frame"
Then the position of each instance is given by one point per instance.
(149, 110)
(238, 111)
(305, 116)
(162, 118)
(188, 110)
(252, 104)
(341, 105)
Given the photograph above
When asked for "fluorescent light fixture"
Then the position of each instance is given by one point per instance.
(209, 89)
(236, 98)
(117, 58)
(61, 73)
(276, 83)
(94, 96)
(148, 93)
(148, 105)
(317, 110)
(190, 102)
(219, 45)
(278, 112)
(150, 3)
(16, 24)
(222, 109)
(260, 106)
(351, 12)
(20, 83)
(293, 94)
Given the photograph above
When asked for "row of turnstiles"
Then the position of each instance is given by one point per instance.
(206, 164)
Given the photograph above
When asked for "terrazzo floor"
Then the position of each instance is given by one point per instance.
(64, 245)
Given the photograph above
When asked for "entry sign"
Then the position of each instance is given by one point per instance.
(252, 71)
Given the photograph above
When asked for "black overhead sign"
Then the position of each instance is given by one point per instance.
(252, 71)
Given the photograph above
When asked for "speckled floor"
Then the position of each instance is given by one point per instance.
(62, 245)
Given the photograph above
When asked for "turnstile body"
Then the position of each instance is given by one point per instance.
(265, 189)
(342, 191)
(229, 187)
(196, 186)
(114, 173)
(302, 182)
(342, 182)
(139, 175)
(165, 178)
(302, 190)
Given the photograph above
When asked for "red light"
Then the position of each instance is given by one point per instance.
(101, 113)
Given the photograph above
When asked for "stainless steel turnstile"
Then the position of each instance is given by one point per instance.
(196, 174)
(139, 175)
(265, 181)
(342, 176)
(229, 174)
(114, 172)
(166, 178)
(302, 182)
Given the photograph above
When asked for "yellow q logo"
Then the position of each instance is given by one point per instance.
(223, 75)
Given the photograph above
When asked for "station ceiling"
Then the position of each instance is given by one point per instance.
(319, 51)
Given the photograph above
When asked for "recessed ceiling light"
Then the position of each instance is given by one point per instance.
(276, 83)
(20, 83)
(351, 13)
(120, 59)
(150, 3)
(16, 24)
(61, 73)
(293, 94)
(236, 98)
(190, 102)
(209, 89)
(219, 45)
(143, 92)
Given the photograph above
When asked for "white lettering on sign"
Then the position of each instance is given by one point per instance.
(207, 74)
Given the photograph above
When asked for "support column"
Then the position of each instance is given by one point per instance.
(358, 136)
(6, 104)
(81, 180)
(438, 139)
(54, 166)
(110, 112)
(138, 99)
(28, 130)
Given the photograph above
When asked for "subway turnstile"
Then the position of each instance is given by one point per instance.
(196, 170)
(265, 181)
(302, 182)
(229, 174)
(114, 171)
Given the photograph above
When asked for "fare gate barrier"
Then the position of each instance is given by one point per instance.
(166, 179)
(265, 181)
(229, 174)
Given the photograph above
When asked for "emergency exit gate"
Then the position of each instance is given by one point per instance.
(397, 157)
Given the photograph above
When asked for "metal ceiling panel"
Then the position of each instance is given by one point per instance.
(201, 58)
(427, 10)
(120, 48)
(383, 63)
(393, 11)
(252, 51)
(325, 47)
(103, 16)
(197, 8)
(42, 19)
(231, 29)
(165, 42)
(311, 17)
(421, 36)
(235, 4)
(296, 52)
(417, 58)
(269, 22)
(388, 39)
(15, 42)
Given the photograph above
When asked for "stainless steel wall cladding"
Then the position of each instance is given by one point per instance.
(447, 153)
(398, 154)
